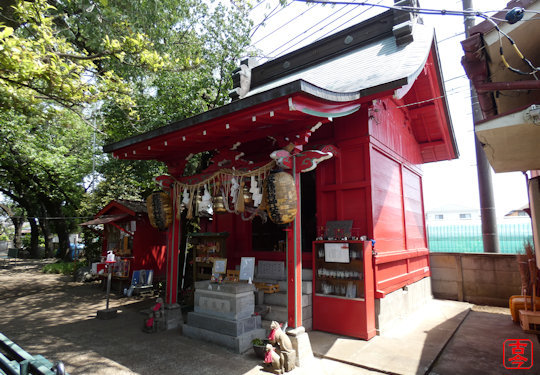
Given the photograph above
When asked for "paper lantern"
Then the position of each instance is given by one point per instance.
(159, 209)
(281, 199)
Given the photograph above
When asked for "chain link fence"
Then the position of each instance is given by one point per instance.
(459, 238)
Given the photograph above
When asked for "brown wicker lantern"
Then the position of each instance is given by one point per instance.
(159, 209)
(281, 199)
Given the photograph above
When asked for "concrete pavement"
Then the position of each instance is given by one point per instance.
(55, 317)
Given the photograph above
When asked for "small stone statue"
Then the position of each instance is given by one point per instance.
(284, 346)
(156, 318)
(274, 359)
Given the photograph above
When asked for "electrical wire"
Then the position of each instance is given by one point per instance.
(304, 32)
(285, 24)
(462, 13)
(320, 29)
(450, 37)
(269, 16)
(259, 3)
(516, 49)
(344, 23)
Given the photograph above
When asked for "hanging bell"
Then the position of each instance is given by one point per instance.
(248, 199)
(219, 206)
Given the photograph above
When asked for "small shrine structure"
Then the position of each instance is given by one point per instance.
(351, 118)
(128, 233)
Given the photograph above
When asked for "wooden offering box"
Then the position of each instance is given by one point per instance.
(343, 296)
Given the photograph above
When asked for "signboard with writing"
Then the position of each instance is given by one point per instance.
(336, 252)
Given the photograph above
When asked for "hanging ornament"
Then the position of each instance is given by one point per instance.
(256, 192)
(180, 207)
(185, 197)
(240, 201)
(205, 204)
(281, 197)
(189, 214)
(158, 205)
(253, 189)
(218, 204)
(234, 189)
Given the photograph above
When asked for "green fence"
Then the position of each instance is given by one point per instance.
(468, 238)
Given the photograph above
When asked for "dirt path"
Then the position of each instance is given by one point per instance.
(53, 316)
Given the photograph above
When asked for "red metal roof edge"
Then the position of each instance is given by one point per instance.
(299, 87)
(104, 219)
(116, 204)
(450, 126)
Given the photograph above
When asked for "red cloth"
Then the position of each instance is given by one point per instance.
(268, 357)
(150, 322)
(272, 335)
(157, 306)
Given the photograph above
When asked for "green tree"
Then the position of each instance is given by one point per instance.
(144, 63)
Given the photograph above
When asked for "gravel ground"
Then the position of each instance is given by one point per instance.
(53, 316)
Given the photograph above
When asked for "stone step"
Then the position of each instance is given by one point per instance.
(279, 313)
(307, 287)
(224, 326)
(281, 299)
(238, 344)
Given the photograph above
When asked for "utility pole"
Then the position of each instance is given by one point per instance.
(490, 236)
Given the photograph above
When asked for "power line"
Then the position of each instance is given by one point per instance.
(335, 28)
(409, 9)
(259, 3)
(269, 16)
(450, 37)
(304, 32)
(286, 23)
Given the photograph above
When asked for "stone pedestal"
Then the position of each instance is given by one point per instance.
(300, 341)
(224, 315)
(106, 314)
(173, 316)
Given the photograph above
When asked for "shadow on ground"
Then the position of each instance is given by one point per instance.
(55, 317)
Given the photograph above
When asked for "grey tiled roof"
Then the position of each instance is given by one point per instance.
(372, 65)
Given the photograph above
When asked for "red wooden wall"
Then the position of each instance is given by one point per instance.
(149, 248)
(149, 245)
(374, 181)
(397, 199)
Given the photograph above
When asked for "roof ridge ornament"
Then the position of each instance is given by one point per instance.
(242, 78)
(404, 21)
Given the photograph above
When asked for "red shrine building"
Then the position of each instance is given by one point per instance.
(351, 117)
(137, 244)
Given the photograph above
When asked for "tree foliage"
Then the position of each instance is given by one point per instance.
(75, 74)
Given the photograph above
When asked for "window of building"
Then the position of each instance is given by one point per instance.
(465, 216)
(439, 217)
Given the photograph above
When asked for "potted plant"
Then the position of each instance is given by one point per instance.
(259, 347)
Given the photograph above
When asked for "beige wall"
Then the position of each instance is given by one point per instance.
(485, 279)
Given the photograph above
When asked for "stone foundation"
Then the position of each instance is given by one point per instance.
(224, 315)
(400, 303)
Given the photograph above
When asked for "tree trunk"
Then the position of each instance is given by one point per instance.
(34, 238)
(17, 236)
(46, 230)
(63, 240)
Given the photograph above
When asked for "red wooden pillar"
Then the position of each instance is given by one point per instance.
(173, 245)
(294, 262)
